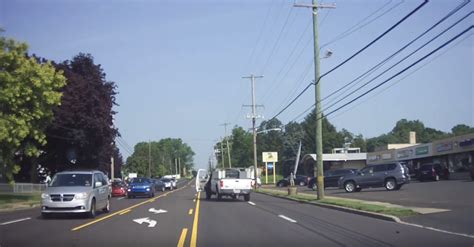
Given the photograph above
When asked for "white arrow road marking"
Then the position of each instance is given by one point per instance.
(14, 221)
(159, 211)
(252, 203)
(151, 223)
(286, 218)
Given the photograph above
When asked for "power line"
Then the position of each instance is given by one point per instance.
(408, 75)
(402, 71)
(355, 54)
(276, 85)
(371, 70)
(260, 35)
(406, 57)
(373, 41)
(275, 45)
(358, 25)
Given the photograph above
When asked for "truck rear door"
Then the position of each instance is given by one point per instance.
(201, 179)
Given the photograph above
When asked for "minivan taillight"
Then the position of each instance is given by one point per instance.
(222, 184)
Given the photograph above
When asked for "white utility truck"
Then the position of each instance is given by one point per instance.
(231, 182)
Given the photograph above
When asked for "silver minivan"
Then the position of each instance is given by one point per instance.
(83, 191)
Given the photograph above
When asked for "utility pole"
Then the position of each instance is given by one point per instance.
(222, 154)
(227, 143)
(254, 129)
(179, 165)
(112, 168)
(149, 159)
(176, 165)
(319, 137)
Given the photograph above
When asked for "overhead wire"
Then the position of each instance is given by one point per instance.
(401, 71)
(403, 59)
(371, 70)
(277, 41)
(373, 41)
(357, 53)
(359, 25)
(403, 78)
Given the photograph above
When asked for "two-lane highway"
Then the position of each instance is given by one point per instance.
(184, 218)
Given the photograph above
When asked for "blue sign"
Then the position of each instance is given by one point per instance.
(270, 165)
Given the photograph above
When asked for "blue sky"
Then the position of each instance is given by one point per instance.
(178, 64)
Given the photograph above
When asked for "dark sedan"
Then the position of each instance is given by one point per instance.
(159, 185)
(331, 178)
(300, 180)
(433, 172)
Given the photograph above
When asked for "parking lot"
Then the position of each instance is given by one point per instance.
(455, 195)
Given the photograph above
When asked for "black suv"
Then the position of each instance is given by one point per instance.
(433, 172)
(331, 178)
(391, 176)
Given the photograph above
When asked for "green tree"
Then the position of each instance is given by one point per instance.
(461, 129)
(28, 92)
(242, 148)
(82, 133)
(162, 155)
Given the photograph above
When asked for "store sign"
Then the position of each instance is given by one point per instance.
(270, 156)
(386, 156)
(404, 153)
(373, 158)
(466, 143)
(422, 150)
(442, 147)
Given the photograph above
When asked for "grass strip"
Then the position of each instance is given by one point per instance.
(399, 212)
(18, 200)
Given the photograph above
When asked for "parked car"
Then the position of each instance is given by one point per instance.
(119, 188)
(433, 172)
(391, 176)
(76, 192)
(168, 184)
(159, 185)
(174, 183)
(331, 178)
(471, 172)
(141, 187)
(300, 180)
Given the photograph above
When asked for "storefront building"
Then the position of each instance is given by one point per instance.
(455, 153)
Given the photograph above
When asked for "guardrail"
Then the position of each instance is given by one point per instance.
(22, 188)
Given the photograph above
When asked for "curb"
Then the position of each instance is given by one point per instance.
(343, 209)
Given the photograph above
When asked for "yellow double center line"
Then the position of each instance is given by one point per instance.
(195, 223)
(126, 210)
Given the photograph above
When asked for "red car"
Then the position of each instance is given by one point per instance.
(119, 189)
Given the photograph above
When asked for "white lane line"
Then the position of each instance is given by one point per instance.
(14, 221)
(436, 229)
(251, 203)
(287, 218)
(120, 198)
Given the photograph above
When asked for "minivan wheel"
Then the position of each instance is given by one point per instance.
(390, 184)
(107, 206)
(349, 186)
(314, 187)
(301, 183)
(91, 213)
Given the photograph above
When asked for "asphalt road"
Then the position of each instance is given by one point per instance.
(266, 221)
(454, 195)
